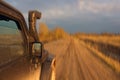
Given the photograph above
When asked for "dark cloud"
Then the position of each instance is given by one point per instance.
(75, 15)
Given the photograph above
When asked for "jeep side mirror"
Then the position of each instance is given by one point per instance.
(37, 49)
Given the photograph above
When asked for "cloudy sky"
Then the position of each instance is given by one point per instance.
(75, 15)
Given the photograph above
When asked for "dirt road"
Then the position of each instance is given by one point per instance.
(75, 62)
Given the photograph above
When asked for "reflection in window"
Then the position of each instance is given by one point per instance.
(11, 41)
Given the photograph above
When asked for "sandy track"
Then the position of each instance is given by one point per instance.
(75, 62)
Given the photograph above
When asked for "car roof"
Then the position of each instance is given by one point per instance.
(5, 7)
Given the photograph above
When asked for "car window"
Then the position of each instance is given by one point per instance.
(11, 41)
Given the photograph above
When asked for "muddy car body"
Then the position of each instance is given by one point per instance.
(18, 59)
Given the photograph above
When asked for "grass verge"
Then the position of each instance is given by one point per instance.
(111, 62)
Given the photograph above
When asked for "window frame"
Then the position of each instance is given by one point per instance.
(17, 29)
(20, 26)
(14, 14)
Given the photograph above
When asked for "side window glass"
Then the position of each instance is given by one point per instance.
(11, 41)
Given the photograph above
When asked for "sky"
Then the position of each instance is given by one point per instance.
(90, 16)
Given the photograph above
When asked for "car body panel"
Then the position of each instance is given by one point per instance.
(19, 68)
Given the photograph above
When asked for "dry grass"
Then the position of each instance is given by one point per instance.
(113, 39)
(111, 62)
(52, 35)
(101, 46)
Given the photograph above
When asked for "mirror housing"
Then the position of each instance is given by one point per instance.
(37, 49)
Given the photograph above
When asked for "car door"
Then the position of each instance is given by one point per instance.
(14, 62)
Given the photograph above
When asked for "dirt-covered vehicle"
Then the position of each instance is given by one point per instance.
(22, 55)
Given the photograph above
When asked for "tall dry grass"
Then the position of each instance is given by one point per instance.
(114, 64)
(109, 39)
(110, 61)
(46, 35)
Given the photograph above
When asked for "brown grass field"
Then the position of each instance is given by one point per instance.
(106, 39)
(106, 47)
(76, 60)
